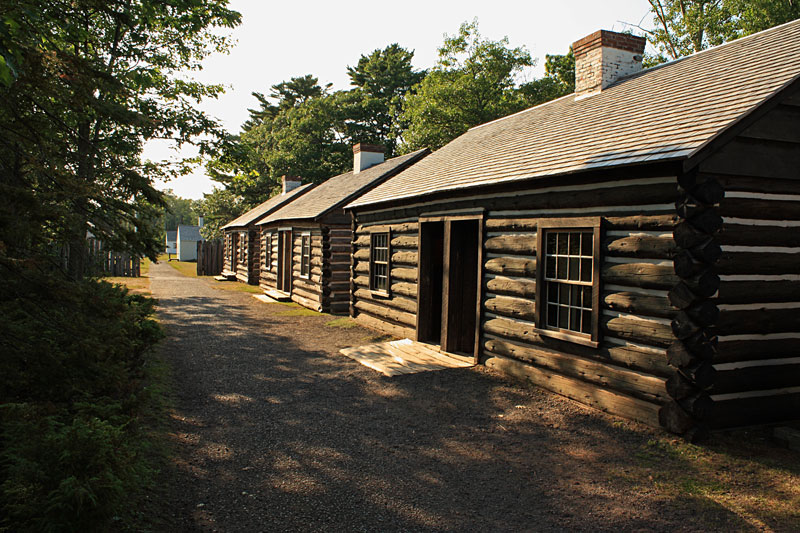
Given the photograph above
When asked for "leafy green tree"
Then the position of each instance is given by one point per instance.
(473, 81)
(558, 81)
(91, 83)
(219, 207)
(683, 27)
(179, 211)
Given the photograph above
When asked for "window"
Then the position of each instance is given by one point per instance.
(268, 250)
(568, 279)
(242, 246)
(379, 262)
(305, 255)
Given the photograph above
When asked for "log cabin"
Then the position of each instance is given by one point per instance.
(306, 244)
(634, 246)
(242, 242)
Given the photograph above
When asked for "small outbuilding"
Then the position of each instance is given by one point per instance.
(307, 243)
(171, 242)
(634, 246)
(242, 252)
(186, 241)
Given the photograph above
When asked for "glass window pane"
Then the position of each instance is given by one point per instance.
(586, 270)
(574, 243)
(574, 319)
(551, 243)
(562, 243)
(574, 266)
(563, 297)
(561, 271)
(586, 244)
(587, 297)
(552, 316)
(550, 268)
(552, 292)
(586, 323)
(575, 296)
(563, 318)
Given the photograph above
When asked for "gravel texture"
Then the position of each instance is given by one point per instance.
(274, 430)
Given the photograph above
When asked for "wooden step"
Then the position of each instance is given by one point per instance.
(278, 296)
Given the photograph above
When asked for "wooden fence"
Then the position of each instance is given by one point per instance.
(111, 263)
(209, 257)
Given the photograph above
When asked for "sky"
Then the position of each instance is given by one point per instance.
(279, 40)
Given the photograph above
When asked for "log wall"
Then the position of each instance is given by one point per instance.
(230, 248)
(756, 363)
(247, 267)
(626, 374)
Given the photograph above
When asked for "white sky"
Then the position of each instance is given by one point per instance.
(279, 40)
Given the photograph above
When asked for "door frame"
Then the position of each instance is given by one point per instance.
(285, 239)
(480, 217)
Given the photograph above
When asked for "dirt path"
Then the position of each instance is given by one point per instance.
(276, 431)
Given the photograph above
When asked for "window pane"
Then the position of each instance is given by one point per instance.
(587, 297)
(551, 243)
(563, 318)
(552, 316)
(586, 323)
(586, 270)
(562, 243)
(574, 266)
(552, 292)
(575, 296)
(563, 297)
(586, 244)
(574, 319)
(561, 271)
(574, 244)
(550, 269)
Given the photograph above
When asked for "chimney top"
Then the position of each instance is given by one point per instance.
(366, 155)
(290, 183)
(604, 57)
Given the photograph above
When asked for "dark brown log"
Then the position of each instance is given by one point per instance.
(687, 236)
(687, 266)
(703, 344)
(511, 266)
(408, 227)
(703, 285)
(758, 321)
(703, 313)
(744, 292)
(383, 326)
(688, 207)
(752, 378)
(681, 296)
(644, 331)
(523, 288)
(683, 327)
(709, 191)
(639, 304)
(645, 275)
(767, 263)
(511, 224)
(708, 221)
(675, 420)
(511, 307)
(761, 209)
(586, 393)
(698, 405)
(634, 383)
(645, 246)
(757, 410)
(745, 235)
(759, 184)
(701, 373)
(641, 222)
(523, 244)
(678, 355)
(679, 387)
(731, 351)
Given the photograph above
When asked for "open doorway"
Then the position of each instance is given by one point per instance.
(285, 261)
(449, 270)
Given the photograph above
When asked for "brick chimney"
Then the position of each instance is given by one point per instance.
(604, 57)
(366, 155)
(290, 182)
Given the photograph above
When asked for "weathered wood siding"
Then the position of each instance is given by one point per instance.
(755, 376)
(246, 267)
(230, 250)
(627, 373)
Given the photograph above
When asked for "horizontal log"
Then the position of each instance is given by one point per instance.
(511, 266)
(733, 351)
(511, 224)
(643, 246)
(522, 288)
(758, 410)
(407, 227)
(753, 378)
(382, 326)
(404, 274)
(380, 310)
(746, 292)
(620, 379)
(409, 290)
(641, 223)
(396, 302)
(404, 258)
(758, 321)
(522, 243)
(586, 393)
(643, 331)
(638, 304)
(309, 303)
(315, 278)
(362, 254)
(768, 263)
(758, 208)
(628, 356)
(510, 307)
(315, 251)
(701, 188)
(744, 235)
(644, 275)
(405, 241)
(303, 291)
(267, 274)
(759, 184)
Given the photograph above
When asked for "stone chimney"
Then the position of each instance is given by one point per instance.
(604, 57)
(290, 182)
(366, 155)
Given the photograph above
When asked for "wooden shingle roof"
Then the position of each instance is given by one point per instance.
(667, 112)
(338, 190)
(267, 207)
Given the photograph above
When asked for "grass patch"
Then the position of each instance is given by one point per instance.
(134, 285)
(144, 267)
(236, 286)
(186, 268)
(300, 311)
(342, 322)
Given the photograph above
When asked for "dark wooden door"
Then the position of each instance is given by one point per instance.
(429, 295)
(285, 261)
(460, 292)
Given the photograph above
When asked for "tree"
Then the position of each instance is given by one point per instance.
(683, 27)
(91, 83)
(558, 81)
(473, 81)
(381, 80)
(179, 211)
(219, 207)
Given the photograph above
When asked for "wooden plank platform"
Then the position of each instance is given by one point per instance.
(226, 275)
(404, 357)
(278, 296)
(264, 298)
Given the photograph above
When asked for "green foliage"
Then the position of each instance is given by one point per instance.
(219, 207)
(74, 381)
(683, 27)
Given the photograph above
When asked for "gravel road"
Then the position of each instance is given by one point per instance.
(274, 430)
